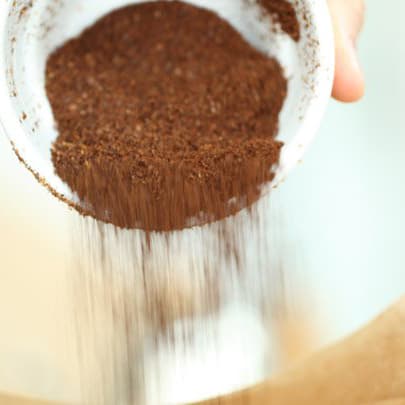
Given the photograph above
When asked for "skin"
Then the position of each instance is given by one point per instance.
(347, 18)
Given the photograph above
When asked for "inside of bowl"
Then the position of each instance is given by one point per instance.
(35, 29)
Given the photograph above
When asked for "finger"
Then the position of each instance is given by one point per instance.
(347, 17)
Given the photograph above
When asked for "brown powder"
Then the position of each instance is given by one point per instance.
(166, 116)
(284, 14)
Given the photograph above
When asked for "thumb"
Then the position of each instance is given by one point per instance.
(347, 17)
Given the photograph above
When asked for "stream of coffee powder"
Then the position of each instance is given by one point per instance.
(166, 116)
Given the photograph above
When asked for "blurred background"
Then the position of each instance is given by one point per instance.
(342, 215)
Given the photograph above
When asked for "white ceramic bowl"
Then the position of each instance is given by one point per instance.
(30, 30)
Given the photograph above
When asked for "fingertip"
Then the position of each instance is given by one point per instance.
(349, 85)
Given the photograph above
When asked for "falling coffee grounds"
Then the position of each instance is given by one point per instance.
(167, 117)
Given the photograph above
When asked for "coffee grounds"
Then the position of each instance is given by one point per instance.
(166, 117)
(284, 14)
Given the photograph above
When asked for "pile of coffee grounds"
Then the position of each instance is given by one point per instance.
(284, 14)
(166, 116)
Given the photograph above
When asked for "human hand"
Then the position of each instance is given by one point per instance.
(347, 18)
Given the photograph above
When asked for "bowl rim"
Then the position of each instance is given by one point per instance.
(294, 150)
